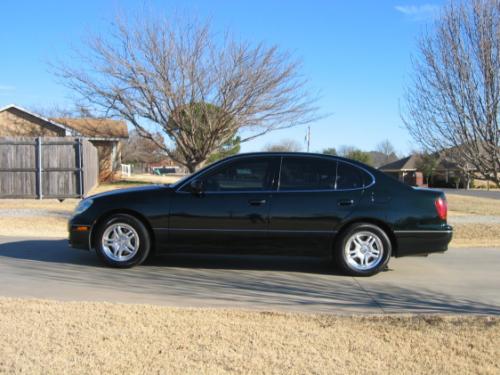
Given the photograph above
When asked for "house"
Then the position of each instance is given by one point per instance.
(405, 170)
(105, 134)
(445, 173)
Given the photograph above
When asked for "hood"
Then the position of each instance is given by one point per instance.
(137, 189)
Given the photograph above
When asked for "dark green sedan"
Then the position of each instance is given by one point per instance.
(268, 204)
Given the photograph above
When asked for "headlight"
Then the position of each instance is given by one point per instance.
(83, 206)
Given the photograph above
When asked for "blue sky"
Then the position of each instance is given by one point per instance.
(355, 53)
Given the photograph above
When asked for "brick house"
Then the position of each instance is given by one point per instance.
(445, 174)
(105, 134)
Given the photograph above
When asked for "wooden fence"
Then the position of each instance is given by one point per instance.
(46, 167)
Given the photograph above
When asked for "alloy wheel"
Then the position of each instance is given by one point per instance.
(120, 242)
(364, 251)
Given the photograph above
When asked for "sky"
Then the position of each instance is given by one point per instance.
(356, 55)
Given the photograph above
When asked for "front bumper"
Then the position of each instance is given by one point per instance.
(79, 236)
(411, 242)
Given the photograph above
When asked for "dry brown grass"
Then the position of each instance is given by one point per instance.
(43, 224)
(153, 179)
(42, 337)
(135, 180)
(479, 184)
(459, 205)
(33, 226)
(476, 235)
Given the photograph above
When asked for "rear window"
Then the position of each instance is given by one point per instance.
(351, 177)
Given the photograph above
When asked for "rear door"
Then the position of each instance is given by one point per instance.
(315, 194)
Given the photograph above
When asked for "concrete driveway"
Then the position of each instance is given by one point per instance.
(459, 281)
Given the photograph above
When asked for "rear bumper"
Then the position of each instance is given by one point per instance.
(410, 242)
(78, 238)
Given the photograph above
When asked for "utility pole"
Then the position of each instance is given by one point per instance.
(308, 137)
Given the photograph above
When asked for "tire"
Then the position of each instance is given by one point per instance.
(355, 251)
(122, 241)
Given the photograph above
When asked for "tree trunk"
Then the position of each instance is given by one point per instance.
(191, 168)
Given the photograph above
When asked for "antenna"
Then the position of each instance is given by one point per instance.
(308, 137)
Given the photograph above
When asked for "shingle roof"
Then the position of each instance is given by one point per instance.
(14, 107)
(96, 127)
(408, 163)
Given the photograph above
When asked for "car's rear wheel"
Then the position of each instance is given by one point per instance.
(363, 249)
(122, 241)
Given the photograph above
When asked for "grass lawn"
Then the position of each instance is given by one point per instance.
(462, 205)
(476, 235)
(31, 221)
(41, 337)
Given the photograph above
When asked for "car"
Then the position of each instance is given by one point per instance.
(160, 171)
(268, 204)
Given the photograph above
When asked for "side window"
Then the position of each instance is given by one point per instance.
(307, 174)
(244, 175)
(351, 177)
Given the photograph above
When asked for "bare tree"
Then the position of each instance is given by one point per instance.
(285, 145)
(57, 111)
(452, 105)
(166, 74)
(354, 153)
(384, 153)
(386, 148)
(137, 149)
(329, 151)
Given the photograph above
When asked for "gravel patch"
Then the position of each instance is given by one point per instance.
(33, 212)
(474, 219)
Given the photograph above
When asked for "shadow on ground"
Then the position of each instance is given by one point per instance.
(250, 282)
(58, 251)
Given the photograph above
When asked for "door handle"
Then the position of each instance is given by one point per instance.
(345, 202)
(257, 202)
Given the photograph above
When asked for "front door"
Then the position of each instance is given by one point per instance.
(231, 212)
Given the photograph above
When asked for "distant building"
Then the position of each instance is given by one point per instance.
(445, 174)
(405, 170)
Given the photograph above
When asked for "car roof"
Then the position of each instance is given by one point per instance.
(374, 172)
(299, 154)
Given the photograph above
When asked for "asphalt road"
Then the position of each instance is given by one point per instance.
(480, 193)
(459, 281)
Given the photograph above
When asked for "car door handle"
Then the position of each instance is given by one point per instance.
(345, 202)
(257, 202)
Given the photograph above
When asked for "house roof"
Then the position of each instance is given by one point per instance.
(408, 163)
(96, 127)
(68, 131)
(411, 163)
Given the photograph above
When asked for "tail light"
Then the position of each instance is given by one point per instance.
(441, 208)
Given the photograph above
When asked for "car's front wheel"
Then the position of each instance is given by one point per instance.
(122, 241)
(363, 250)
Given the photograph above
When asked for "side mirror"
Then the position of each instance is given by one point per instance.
(196, 187)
